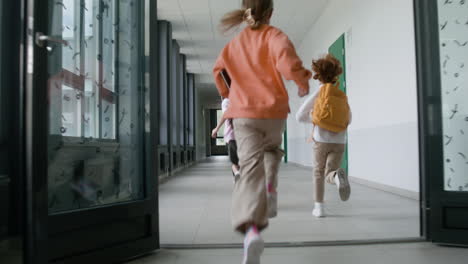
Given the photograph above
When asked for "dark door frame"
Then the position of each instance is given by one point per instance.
(40, 227)
(11, 132)
(435, 202)
(427, 53)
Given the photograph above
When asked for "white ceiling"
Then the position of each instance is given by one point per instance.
(195, 27)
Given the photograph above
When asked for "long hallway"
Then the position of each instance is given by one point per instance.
(195, 209)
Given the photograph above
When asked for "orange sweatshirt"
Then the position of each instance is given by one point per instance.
(255, 61)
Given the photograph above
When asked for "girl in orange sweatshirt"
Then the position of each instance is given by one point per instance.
(256, 60)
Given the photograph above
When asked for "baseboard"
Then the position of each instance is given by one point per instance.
(374, 185)
(386, 188)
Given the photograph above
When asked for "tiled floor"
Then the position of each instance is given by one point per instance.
(195, 209)
(416, 253)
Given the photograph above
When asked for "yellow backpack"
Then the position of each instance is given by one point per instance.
(331, 109)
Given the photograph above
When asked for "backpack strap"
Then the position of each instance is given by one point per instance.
(337, 85)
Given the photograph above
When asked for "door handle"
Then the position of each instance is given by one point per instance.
(41, 39)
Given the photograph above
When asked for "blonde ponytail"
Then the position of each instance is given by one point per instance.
(254, 12)
(232, 19)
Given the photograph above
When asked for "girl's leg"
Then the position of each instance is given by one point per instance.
(320, 160)
(335, 174)
(321, 152)
(273, 157)
(249, 202)
(253, 246)
(333, 163)
(232, 150)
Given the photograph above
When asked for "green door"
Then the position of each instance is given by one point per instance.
(337, 49)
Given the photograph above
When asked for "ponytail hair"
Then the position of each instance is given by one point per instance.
(254, 12)
(232, 20)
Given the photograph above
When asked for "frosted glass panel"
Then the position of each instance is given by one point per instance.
(453, 26)
(96, 115)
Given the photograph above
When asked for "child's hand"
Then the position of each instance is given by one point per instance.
(214, 133)
(303, 92)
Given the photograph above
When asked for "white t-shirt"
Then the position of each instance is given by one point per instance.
(303, 115)
(228, 129)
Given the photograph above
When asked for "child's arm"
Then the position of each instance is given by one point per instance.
(218, 68)
(289, 64)
(214, 133)
(304, 112)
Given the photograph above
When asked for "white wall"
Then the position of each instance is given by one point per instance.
(381, 85)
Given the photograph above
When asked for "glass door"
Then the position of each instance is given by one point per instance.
(443, 80)
(89, 129)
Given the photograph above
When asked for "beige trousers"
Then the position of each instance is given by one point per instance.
(258, 147)
(327, 161)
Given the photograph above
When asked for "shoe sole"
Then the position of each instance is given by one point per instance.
(345, 188)
(318, 216)
(254, 252)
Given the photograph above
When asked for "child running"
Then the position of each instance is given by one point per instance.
(257, 59)
(329, 132)
(229, 138)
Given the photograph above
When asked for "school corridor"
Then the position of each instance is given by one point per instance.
(373, 226)
(107, 149)
(195, 205)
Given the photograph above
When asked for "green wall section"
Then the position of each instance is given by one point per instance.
(337, 49)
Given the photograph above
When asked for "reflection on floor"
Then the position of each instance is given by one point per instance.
(195, 209)
(417, 253)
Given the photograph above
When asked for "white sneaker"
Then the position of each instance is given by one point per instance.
(272, 205)
(253, 248)
(343, 185)
(319, 210)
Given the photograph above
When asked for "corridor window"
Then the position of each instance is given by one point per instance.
(164, 105)
(175, 93)
(182, 99)
(191, 109)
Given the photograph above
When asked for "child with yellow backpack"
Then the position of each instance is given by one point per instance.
(330, 114)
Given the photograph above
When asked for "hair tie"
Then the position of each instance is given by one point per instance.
(249, 18)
